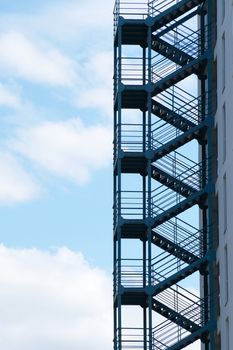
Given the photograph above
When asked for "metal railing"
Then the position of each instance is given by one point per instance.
(130, 9)
(182, 300)
(165, 265)
(155, 7)
(132, 204)
(186, 39)
(132, 273)
(167, 333)
(162, 132)
(184, 235)
(183, 103)
(184, 169)
(133, 138)
(131, 338)
(130, 71)
(163, 199)
(187, 46)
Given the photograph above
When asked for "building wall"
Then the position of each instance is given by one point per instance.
(224, 183)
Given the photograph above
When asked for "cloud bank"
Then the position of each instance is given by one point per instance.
(21, 58)
(16, 184)
(67, 148)
(53, 301)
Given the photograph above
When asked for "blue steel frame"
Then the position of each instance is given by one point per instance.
(154, 183)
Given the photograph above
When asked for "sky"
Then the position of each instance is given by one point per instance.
(56, 174)
(56, 127)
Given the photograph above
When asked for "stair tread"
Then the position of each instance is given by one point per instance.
(174, 248)
(178, 276)
(189, 339)
(169, 51)
(171, 182)
(177, 209)
(174, 12)
(171, 116)
(178, 75)
(174, 316)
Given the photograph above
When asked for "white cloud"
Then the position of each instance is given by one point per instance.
(67, 148)
(8, 97)
(31, 46)
(96, 89)
(19, 57)
(100, 67)
(16, 185)
(95, 98)
(66, 21)
(53, 301)
(89, 80)
(79, 20)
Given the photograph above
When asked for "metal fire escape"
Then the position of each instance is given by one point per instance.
(162, 174)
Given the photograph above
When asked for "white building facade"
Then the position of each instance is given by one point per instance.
(223, 55)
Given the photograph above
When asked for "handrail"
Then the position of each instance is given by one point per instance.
(165, 333)
(132, 204)
(183, 234)
(191, 176)
(164, 200)
(132, 135)
(130, 70)
(194, 172)
(131, 338)
(186, 39)
(129, 9)
(157, 6)
(135, 274)
(183, 104)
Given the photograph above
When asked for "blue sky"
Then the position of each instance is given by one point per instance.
(55, 98)
(55, 174)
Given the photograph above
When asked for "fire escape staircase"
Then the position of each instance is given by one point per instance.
(179, 183)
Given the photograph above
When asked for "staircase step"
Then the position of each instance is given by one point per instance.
(194, 67)
(199, 334)
(179, 208)
(174, 12)
(174, 316)
(171, 117)
(178, 276)
(179, 141)
(171, 52)
(171, 182)
(173, 248)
